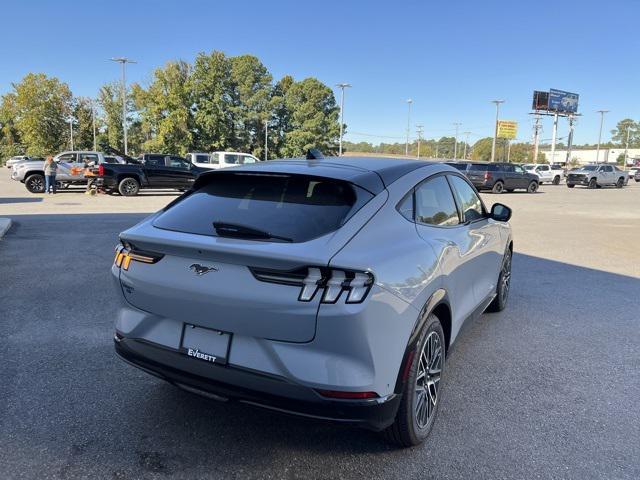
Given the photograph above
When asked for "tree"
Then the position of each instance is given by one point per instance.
(314, 118)
(280, 116)
(83, 129)
(251, 92)
(481, 150)
(110, 99)
(211, 87)
(41, 107)
(166, 119)
(10, 144)
(619, 134)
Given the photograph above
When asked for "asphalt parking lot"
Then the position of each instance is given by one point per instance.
(549, 388)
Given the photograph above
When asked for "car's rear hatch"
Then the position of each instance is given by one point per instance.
(206, 277)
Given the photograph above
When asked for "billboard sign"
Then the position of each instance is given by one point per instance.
(540, 100)
(561, 101)
(507, 129)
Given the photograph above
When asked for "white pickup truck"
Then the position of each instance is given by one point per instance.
(546, 173)
(216, 160)
(70, 170)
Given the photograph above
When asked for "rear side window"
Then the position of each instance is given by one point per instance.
(483, 167)
(434, 204)
(202, 158)
(296, 207)
(460, 166)
(467, 198)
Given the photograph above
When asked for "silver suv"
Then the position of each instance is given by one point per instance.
(328, 288)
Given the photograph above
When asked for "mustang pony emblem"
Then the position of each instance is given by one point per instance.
(201, 269)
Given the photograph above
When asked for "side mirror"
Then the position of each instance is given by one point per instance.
(500, 212)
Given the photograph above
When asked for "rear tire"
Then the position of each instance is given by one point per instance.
(556, 180)
(35, 183)
(498, 187)
(422, 390)
(504, 285)
(570, 185)
(128, 187)
(532, 187)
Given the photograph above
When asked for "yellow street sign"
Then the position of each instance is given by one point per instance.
(507, 129)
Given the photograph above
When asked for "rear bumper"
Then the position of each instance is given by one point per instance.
(105, 182)
(254, 388)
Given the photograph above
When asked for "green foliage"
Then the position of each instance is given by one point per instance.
(619, 134)
(34, 116)
(314, 118)
(166, 119)
(83, 125)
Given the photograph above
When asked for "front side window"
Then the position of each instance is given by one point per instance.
(67, 158)
(434, 204)
(248, 159)
(232, 158)
(518, 169)
(177, 162)
(468, 199)
(202, 158)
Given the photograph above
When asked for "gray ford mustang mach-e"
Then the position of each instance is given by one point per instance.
(327, 288)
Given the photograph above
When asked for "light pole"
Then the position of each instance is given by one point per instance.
(71, 130)
(495, 133)
(123, 61)
(466, 142)
(455, 145)
(601, 112)
(266, 140)
(93, 122)
(626, 148)
(419, 132)
(342, 87)
(406, 147)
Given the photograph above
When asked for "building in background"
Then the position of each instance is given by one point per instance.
(607, 155)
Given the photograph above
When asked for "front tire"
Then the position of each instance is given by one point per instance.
(504, 285)
(533, 187)
(35, 183)
(422, 389)
(570, 185)
(593, 183)
(556, 180)
(498, 187)
(620, 183)
(128, 187)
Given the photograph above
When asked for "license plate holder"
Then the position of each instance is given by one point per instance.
(205, 344)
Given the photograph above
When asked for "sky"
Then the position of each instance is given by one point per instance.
(450, 57)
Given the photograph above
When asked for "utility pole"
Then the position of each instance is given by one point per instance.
(601, 112)
(406, 147)
(495, 133)
(71, 129)
(419, 132)
(569, 140)
(123, 61)
(466, 142)
(554, 136)
(93, 121)
(626, 148)
(455, 144)
(266, 141)
(342, 87)
(508, 150)
(536, 138)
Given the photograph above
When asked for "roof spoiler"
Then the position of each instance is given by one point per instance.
(314, 154)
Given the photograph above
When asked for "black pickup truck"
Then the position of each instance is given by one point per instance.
(147, 171)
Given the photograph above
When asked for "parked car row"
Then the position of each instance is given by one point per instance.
(498, 177)
(122, 174)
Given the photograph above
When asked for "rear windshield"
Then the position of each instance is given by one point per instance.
(459, 166)
(295, 207)
(483, 167)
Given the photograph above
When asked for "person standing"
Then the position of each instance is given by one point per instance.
(50, 170)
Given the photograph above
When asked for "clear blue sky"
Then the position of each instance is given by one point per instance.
(450, 57)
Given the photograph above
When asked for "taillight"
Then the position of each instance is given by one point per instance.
(328, 282)
(126, 254)
(101, 170)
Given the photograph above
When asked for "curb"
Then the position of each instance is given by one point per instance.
(5, 225)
